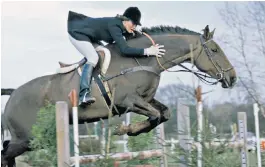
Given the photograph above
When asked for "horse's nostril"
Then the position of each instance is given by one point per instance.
(233, 79)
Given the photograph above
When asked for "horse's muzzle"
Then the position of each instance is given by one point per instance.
(229, 82)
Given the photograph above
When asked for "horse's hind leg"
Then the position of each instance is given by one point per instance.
(13, 150)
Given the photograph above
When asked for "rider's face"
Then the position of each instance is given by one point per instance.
(130, 27)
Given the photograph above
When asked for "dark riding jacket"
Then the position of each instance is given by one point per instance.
(108, 29)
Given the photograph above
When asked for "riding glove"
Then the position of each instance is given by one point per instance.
(155, 50)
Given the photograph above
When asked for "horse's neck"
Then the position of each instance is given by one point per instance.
(177, 50)
(176, 54)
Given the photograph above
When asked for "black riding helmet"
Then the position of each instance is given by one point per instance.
(134, 14)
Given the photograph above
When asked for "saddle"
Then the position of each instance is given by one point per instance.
(101, 69)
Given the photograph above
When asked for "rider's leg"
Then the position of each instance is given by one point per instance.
(86, 49)
(85, 97)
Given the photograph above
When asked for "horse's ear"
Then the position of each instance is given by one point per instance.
(211, 34)
(206, 32)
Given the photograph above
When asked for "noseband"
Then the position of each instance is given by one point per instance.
(220, 70)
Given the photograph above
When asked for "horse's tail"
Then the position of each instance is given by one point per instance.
(2, 133)
(8, 91)
(4, 142)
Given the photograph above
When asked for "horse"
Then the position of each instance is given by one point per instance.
(133, 80)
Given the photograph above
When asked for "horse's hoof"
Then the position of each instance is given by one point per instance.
(3, 163)
(154, 119)
(120, 130)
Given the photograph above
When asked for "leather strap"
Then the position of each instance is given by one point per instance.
(102, 89)
(133, 69)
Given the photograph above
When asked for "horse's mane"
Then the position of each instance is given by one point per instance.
(155, 30)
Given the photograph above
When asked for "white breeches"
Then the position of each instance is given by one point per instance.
(86, 49)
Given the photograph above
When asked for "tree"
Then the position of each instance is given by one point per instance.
(44, 142)
(169, 95)
(212, 155)
(245, 37)
(224, 115)
(141, 142)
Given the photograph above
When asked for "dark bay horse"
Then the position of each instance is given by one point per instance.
(134, 90)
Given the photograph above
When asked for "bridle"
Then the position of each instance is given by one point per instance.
(202, 77)
(220, 70)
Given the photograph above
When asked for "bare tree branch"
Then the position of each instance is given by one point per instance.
(246, 38)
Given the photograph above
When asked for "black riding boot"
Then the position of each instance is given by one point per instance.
(85, 97)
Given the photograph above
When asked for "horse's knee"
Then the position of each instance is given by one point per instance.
(5, 143)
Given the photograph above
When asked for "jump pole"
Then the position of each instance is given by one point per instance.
(242, 128)
(160, 134)
(256, 115)
(62, 134)
(199, 108)
(121, 156)
(183, 121)
(73, 98)
(199, 130)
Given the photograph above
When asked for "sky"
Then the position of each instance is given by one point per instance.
(34, 34)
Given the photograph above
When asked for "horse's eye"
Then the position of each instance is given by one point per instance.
(214, 50)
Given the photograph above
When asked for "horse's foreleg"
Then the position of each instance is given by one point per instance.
(132, 128)
(147, 125)
(164, 110)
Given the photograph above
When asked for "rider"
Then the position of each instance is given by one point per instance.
(84, 30)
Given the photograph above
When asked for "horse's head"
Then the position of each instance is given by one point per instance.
(213, 61)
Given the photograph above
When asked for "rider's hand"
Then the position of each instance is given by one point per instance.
(155, 50)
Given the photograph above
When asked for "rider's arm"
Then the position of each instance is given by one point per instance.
(116, 34)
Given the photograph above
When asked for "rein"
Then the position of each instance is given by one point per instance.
(153, 42)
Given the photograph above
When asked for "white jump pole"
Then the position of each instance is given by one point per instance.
(160, 141)
(183, 121)
(256, 115)
(200, 126)
(242, 128)
(125, 138)
(95, 128)
(73, 98)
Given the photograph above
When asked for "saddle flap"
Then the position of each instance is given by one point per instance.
(103, 64)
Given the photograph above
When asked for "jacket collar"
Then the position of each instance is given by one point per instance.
(122, 26)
